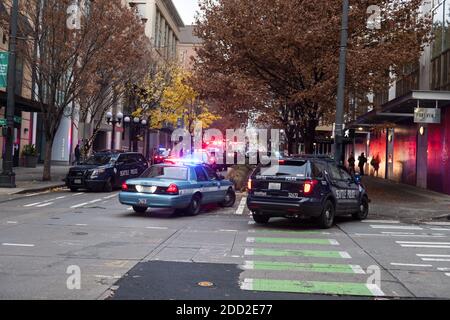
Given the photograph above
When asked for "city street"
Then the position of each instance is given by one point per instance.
(220, 254)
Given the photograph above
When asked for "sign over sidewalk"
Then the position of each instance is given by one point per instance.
(427, 115)
(3, 69)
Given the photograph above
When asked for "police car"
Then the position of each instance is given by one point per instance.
(305, 187)
(106, 170)
(183, 186)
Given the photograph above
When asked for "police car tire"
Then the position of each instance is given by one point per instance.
(108, 186)
(73, 189)
(194, 207)
(326, 222)
(362, 215)
(139, 209)
(231, 201)
(260, 219)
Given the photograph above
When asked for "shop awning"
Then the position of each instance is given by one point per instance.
(402, 108)
(22, 104)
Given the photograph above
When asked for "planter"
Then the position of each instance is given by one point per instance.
(30, 161)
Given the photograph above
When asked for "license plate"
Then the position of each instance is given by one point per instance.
(77, 181)
(275, 186)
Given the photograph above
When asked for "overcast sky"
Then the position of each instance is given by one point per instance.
(187, 9)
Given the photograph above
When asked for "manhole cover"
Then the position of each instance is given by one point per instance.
(206, 284)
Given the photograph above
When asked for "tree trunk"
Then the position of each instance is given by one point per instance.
(309, 135)
(48, 161)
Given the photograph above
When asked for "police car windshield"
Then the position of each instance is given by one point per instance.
(166, 172)
(295, 169)
(98, 159)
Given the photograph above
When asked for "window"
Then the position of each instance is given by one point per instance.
(201, 176)
(334, 172)
(294, 169)
(211, 174)
(171, 173)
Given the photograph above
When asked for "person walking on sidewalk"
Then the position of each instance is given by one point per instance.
(77, 154)
(362, 160)
(376, 164)
(351, 163)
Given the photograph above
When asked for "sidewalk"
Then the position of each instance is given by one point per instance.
(30, 180)
(407, 203)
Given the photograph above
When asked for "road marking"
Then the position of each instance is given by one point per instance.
(107, 277)
(438, 223)
(397, 232)
(223, 230)
(398, 235)
(32, 204)
(17, 244)
(35, 194)
(79, 205)
(423, 246)
(373, 226)
(81, 225)
(251, 222)
(439, 229)
(292, 241)
(77, 194)
(447, 274)
(436, 259)
(241, 208)
(410, 264)
(11, 222)
(286, 232)
(320, 287)
(433, 255)
(308, 267)
(45, 205)
(110, 197)
(420, 242)
(157, 228)
(443, 269)
(381, 221)
(296, 253)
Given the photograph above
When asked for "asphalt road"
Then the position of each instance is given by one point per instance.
(47, 238)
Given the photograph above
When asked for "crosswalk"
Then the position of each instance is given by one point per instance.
(306, 262)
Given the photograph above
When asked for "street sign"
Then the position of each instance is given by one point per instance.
(3, 69)
(427, 115)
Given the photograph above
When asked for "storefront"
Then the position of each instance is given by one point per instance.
(412, 144)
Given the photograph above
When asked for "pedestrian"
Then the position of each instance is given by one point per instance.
(77, 154)
(362, 160)
(351, 163)
(376, 164)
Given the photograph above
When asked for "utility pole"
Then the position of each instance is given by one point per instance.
(8, 177)
(338, 139)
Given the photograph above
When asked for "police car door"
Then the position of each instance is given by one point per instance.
(204, 185)
(218, 192)
(123, 168)
(338, 187)
(352, 190)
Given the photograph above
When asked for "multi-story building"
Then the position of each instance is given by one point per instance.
(409, 128)
(187, 46)
(25, 120)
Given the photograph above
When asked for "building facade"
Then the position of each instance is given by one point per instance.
(412, 149)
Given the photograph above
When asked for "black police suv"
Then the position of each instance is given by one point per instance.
(106, 170)
(306, 187)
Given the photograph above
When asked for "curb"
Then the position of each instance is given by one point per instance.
(38, 189)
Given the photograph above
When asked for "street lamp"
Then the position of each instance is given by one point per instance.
(8, 177)
(135, 124)
(114, 120)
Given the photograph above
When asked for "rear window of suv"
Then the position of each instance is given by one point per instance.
(298, 169)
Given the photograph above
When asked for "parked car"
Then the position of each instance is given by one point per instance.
(105, 171)
(306, 187)
(184, 187)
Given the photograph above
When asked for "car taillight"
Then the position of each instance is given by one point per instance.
(172, 189)
(249, 184)
(124, 187)
(308, 187)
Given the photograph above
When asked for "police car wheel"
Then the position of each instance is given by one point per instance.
(194, 206)
(229, 200)
(108, 186)
(73, 189)
(363, 211)
(326, 219)
(139, 209)
(260, 219)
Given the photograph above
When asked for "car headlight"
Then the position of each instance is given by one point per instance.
(95, 173)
